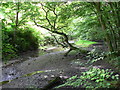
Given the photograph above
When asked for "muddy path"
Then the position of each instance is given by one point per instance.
(54, 63)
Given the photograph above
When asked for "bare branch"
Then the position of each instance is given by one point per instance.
(11, 18)
(22, 19)
(41, 25)
(17, 14)
(46, 12)
(61, 27)
(56, 16)
(57, 40)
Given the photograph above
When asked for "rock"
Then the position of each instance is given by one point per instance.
(53, 83)
(28, 63)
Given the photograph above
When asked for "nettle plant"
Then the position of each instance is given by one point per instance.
(93, 78)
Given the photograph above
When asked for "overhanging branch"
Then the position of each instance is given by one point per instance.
(41, 25)
(46, 12)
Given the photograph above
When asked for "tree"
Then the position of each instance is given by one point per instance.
(14, 15)
(108, 16)
(49, 18)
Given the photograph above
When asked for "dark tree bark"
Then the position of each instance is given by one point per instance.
(62, 34)
(54, 29)
(16, 22)
(103, 25)
(110, 20)
(63, 45)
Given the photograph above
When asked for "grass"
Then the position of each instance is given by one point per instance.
(85, 43)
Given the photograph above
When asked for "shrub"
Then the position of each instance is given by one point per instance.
(26, 38)
(8, 51)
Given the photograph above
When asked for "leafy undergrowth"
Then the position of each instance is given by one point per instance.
(84, 43)
(95, 77)
(25, 39)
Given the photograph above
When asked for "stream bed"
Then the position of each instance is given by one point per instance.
(52, 63)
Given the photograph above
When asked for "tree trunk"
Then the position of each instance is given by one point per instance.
(67, 42)
(16, 23)
(103, 25)
(58, 41)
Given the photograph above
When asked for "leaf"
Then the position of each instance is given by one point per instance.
(108, 84)
(113, 77)
(97, 81)
(73, 77)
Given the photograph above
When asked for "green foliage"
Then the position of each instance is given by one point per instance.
(93, 78)
(9, 9)
(114, 59)
(86, 28)
(49, 40)
(84, 43)
(8, 51)
(23, 39)
(95, 56)
(16, 35)
(86, 21)
(26, 39)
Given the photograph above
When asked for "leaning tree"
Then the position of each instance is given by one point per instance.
(49, 16)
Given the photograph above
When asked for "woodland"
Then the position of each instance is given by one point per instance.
(65, 36)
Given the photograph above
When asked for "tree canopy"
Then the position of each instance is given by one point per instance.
(81, 22)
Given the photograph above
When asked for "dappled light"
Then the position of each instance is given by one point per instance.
(60, 45)
(82, 68)
(85, 43)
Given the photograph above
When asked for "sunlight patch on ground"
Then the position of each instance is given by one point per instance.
(84, 43)
(82, 68)
(97, 67)
(65, 77)
(51, 48)
(50, 70)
